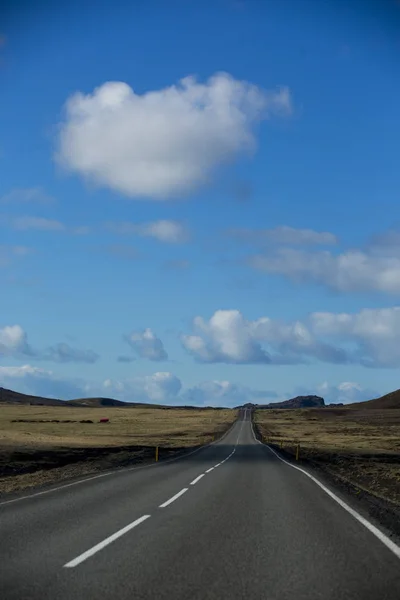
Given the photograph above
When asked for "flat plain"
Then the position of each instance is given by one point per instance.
(358, 445)
(46, 444)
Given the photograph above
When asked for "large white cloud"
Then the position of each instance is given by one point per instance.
(375, 332)
(147, 345)
(14, 343)
(228, 337)
(163, 230)
(369, 338)
(352, 270)
(165, 142)
(13, 340)
(161, 387)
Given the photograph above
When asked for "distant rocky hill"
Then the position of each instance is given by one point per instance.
(391, 400)
(297, 402)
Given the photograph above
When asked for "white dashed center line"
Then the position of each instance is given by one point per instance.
(82, 557)
(197, 479)
(173, 498)
(79, 559)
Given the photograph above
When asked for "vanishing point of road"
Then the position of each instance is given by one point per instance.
(230, 521)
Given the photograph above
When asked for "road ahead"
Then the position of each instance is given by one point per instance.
(231, 521)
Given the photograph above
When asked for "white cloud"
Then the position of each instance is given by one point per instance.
(284, 235)
(40, 382)
(369, 338)
(171, 232)
(346, 392)
(147, 345)
(157, 388)
(33, 195)
(166, 231)
(353, 270)
(228, 337)
(20, 372)
(13, 340)
(14, 343)
(375, 332)
(166, 142)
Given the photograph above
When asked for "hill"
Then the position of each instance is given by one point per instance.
(297, 402)
(11, 397)
(391, 400)
(96, 402)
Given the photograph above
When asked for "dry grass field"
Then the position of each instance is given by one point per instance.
(357, 445)
(38, 446)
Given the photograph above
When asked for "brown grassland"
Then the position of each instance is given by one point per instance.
(360, 446)
(41, 450)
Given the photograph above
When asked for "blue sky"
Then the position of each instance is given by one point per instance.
(198, 200)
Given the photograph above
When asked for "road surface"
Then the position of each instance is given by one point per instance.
(231, 521)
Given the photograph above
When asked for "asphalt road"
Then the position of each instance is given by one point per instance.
(247, 526)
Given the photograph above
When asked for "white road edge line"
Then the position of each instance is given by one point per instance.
(215, 466)
(374, 530)
(173, 498)
(82, 557)
(209, 470)
(197, 479)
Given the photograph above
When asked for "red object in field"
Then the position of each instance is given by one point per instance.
(104, 420)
